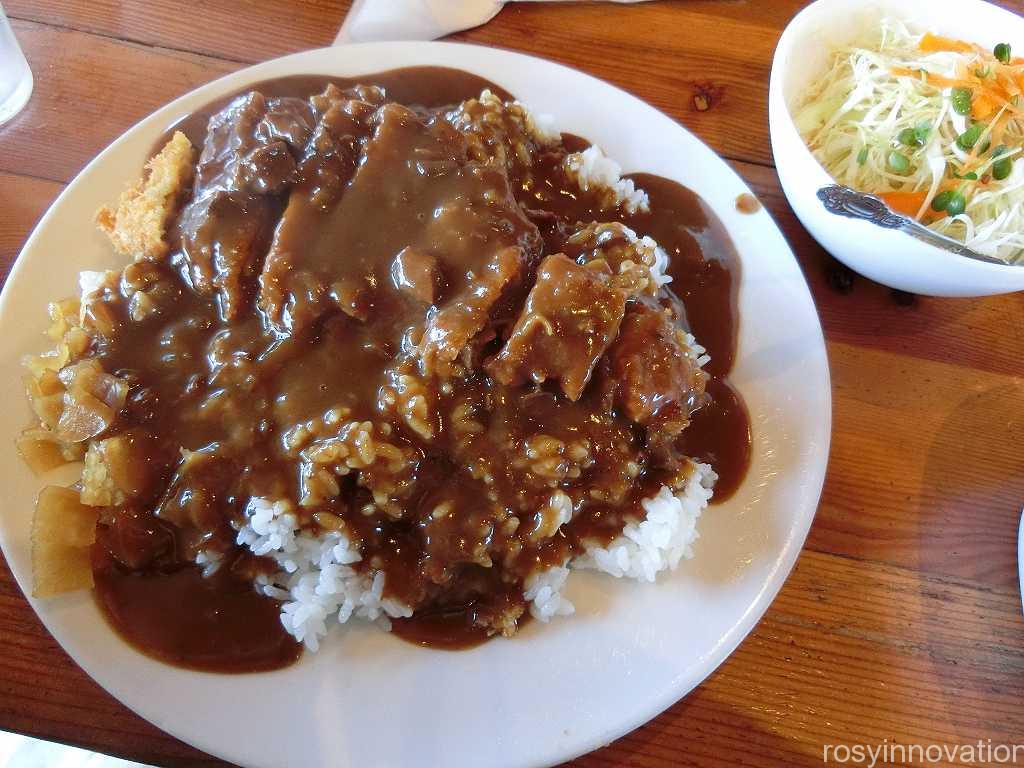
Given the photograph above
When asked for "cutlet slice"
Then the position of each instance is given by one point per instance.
(138, 225)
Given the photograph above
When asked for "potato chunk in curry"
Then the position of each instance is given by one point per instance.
(63, 530)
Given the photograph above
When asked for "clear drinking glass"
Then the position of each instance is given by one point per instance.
(15, 76)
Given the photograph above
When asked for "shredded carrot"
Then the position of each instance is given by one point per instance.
(989, 95)
(982, 106)
(931, 78)
(1006, 85)
(933, 43)
(907, 203)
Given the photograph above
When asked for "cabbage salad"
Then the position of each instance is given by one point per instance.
(932, 125)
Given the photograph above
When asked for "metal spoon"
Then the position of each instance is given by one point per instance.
(844, 201)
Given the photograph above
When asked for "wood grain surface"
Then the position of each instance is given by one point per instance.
(902, 620)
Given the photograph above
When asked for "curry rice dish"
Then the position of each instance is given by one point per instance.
(392, 350)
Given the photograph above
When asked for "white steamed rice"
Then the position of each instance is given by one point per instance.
(319, 587)
(663, 538)
(593, 168)
(659, 269)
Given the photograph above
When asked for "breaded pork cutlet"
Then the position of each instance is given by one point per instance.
(138, 226)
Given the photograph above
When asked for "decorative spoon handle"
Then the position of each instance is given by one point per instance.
(844, 201)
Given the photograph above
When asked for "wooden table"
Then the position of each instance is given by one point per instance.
(902, 621)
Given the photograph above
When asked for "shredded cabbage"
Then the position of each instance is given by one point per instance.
(877, 89)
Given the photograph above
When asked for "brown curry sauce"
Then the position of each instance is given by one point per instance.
(313, 359)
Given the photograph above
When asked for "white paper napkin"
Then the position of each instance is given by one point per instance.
(370, 20)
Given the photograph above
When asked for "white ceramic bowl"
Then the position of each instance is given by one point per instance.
(887, 256)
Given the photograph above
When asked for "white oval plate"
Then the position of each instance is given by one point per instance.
(556, 690)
